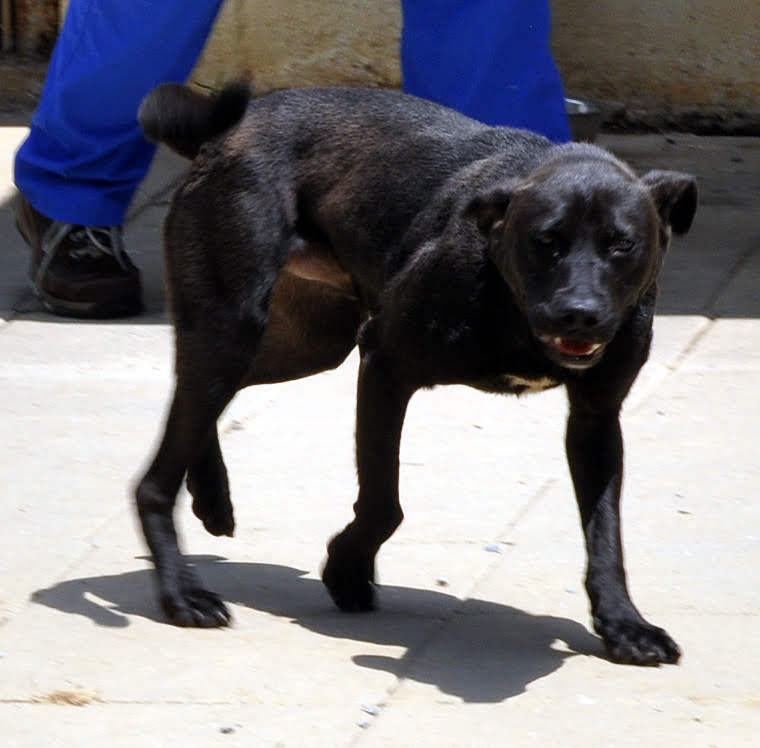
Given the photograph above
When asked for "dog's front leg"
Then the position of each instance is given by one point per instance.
(381, 406)
(594, 447)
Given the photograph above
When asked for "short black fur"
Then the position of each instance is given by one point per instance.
(451, 252)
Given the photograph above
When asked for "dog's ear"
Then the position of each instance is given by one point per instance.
(490, 207)
(675, 195)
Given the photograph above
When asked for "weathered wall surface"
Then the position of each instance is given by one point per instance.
(678, 59)
(33, 26)
(305, 42)
(661, 61)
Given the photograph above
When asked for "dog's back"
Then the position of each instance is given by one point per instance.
(376, 158)
(184, 119)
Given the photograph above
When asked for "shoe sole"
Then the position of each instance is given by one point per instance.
(128, 306)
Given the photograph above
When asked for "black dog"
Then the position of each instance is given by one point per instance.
(451, 252)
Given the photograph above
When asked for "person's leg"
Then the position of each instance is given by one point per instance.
(489, 59)
(85, 154)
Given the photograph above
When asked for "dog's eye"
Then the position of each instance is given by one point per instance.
(550, 245)
(547, 242)
(621, 247)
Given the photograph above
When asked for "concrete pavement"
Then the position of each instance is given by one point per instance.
(483, 638)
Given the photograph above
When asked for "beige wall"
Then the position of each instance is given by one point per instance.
(651, 55)
(666, 55)
(305, 42)
(283, 43)
(33, 28)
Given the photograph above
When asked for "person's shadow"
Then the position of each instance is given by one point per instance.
(492, 653)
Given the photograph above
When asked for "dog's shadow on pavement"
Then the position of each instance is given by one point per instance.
(478, 650)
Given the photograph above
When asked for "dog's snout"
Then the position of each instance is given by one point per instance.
(579, 316)
(583, 317)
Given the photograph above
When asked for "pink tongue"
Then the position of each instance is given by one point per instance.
(574, 347)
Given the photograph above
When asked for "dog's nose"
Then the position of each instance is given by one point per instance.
(578, 315)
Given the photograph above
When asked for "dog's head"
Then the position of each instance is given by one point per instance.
(580, 241)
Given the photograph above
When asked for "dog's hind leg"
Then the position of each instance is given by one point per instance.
(311, 327)
(205, 385)
(208, 485)
(223, 258)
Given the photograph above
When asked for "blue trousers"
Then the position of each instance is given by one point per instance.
(489, 59)
(85, 155)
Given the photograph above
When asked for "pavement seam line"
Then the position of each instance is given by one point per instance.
(739, 263)
(71, 565)
(413, 653)
(523, 512)
(670, 366)
(689, 348)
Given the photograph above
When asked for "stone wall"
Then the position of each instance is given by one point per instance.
(694, 63)
(33, 27)
(690, 62)
(305, 43)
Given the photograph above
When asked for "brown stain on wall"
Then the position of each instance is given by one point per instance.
(35, 25)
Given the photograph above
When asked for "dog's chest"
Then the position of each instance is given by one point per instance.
(513, 384)
(522, 385)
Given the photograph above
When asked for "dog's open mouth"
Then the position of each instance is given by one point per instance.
(573, 353)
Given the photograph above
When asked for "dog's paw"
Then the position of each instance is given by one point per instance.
(217, 518)
(639, 643)
(212, 506)
(349, 578)
(195, 607)
(351, 592)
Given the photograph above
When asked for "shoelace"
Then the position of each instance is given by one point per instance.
(101, 240)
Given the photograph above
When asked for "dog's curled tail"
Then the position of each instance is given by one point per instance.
(184, 120)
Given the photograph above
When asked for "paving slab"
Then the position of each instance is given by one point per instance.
(688, 552)
(142, 725)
